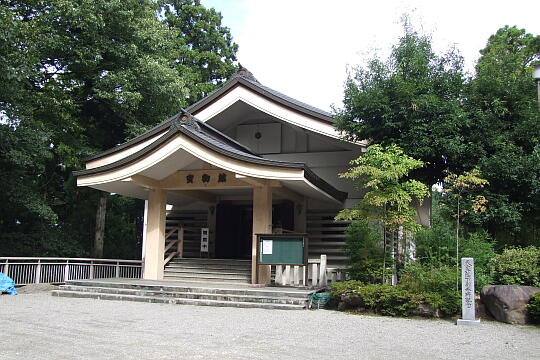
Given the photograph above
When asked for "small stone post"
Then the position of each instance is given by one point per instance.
(467, 293)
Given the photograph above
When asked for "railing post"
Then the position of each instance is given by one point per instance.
(180, 245)
(6, 268)
(287, 277)
(278, 274)
(91, 269)
(66, 271)
(38, 272)
(118, 269)
(323, 281)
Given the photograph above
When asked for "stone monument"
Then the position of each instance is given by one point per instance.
(467, 293)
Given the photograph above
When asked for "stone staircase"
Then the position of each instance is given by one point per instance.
(209, 270)
(175, 292)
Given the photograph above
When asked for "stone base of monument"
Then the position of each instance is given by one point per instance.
(467, 322)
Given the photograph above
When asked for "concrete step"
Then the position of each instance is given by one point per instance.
(212, 261)
(194, 265)
(198, 287)
(220, 267)
(209, 282)
(215, 270)
(171, 300)
(181, 270)
(188, 295)
(202, 277)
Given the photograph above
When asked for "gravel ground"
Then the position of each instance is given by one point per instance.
(40, 326)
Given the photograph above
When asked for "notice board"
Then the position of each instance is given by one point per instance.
(282, 249)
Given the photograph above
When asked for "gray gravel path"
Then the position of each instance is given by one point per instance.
(39, 326)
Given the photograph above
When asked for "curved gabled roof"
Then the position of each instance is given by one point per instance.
(241, 77)
(244, 77)
(184, 123)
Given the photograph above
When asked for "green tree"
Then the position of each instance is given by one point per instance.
(504, 135)
(88, 75)
(414, 99)
(424, 102)
(389, 196)
(26, 212)
(206, 53)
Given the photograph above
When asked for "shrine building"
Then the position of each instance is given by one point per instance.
(242, 161)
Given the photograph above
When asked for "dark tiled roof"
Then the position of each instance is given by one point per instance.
(206, 135)
(242, 76)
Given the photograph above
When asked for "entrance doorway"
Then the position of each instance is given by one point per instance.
(234, 227)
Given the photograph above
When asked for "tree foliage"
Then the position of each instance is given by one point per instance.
(81, 76)
(206, 51)
(413, 99)
(425, 103)
(365, 252)
(505, 132)
(389, 196)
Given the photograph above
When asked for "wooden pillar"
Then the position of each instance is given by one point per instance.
(300, 217)
(155, 235)
(262, 224)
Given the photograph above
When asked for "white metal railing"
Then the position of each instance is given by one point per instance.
(35, 270)
(316, 274)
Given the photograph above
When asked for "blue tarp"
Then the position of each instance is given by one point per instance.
(7, 284)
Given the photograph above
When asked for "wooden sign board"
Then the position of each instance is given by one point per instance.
(205, 234)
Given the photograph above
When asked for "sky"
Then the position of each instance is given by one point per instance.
(305, 48)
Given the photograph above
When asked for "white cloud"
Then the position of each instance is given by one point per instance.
(303, 47)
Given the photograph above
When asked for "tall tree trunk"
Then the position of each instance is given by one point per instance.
(100, 225)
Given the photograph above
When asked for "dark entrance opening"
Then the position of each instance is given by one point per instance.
(283, 215)
(233, 231)
(234, 227)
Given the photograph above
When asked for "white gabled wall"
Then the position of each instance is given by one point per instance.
(267, 106)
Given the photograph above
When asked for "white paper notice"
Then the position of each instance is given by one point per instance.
(267, 247)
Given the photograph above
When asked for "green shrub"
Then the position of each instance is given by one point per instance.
(534, 307)
(365, 252)
(389, 300)
(436, 245)
(395, 300)
(478, 246)
(517, 266)
(345, 287)
(425, 278)
(437, 285)
(448, 303)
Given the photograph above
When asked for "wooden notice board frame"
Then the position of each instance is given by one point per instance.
(280, 243)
